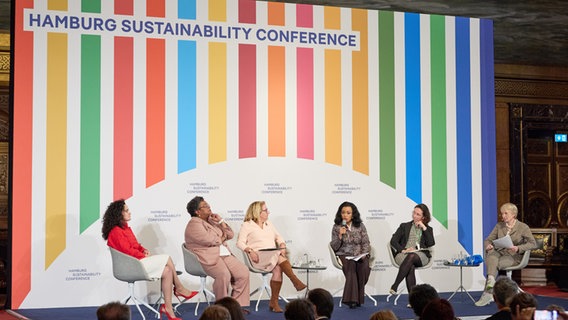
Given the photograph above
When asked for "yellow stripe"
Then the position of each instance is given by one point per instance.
(217, 89)
(56, 149)
(360, 95)
(57, 5)
(332, 20)
(217, 10)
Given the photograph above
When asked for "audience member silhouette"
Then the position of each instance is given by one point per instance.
(300, 309)
(523, 306)
(420, 295)
(215, 312)
(323, 301)
(113, 311)
(438, 309)
(503, 292)
(233, 306)
(383, 315)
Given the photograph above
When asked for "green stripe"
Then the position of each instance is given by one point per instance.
(438, 114)
(93, 6)
(386, 99)
(90, 130)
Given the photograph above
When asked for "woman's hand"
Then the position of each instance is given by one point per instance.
(525, 313)
(514, 249)
(283, 250)
(489, 247)
(253, 256)
(146, 252)
(421, 225)
(342, 231)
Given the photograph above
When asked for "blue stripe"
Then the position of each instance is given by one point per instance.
(463, 132)
(488, 147)
(187, 9)
(412, 112)
(187, 98)
(187, 131)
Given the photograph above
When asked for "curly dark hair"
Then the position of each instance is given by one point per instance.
(425, 213)
(112, 217)
(356, 220)
(193, 205)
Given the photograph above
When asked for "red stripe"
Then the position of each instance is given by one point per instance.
(22, 157)
(124, 7)
(123, 116)
(247, 86)
(155, 110)
(305, 87)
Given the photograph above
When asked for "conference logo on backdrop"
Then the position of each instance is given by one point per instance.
(113, 98)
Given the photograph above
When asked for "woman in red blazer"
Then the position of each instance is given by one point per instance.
(119, 236)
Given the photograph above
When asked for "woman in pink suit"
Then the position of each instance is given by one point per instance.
(119, 236)
(258, 233)
(206, 235)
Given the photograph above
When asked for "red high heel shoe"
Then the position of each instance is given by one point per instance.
(163, 310)
(191, 295)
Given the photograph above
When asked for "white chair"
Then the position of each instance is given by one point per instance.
(194, 268)
(393, 261)
(129, 269)
(521, 265)
(339, 265)
(265, 286)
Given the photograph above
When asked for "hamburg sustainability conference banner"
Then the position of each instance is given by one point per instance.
(301, 106)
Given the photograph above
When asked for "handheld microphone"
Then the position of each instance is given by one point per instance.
(344, 223)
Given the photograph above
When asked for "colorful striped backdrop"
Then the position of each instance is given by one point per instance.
(107, 114)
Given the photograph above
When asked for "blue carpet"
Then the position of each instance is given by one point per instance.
(462, 304)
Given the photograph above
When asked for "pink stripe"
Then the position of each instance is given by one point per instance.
(247, 86)
(305, 87)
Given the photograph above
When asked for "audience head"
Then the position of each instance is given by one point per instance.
(215, 312)
(420, 295)
(556, 307)
(522, 300)
(299, 309)
(233, 306)
(112, 217)
(383, 315)
(504, 290)
(322, 300)
(438, 309)
(356, 218)
(113, 311)
(193, 205)
(254, 210)
(426, 216)
(511, 208)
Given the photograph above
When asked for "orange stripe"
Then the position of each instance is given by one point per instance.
(22, 158)
(56, 147)
(360, 94)
(332, 65)
(276, 87)
(155, 111)
(276, 101)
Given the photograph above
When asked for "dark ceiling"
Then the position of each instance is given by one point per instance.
(527, 32)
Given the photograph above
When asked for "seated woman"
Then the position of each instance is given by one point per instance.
(258, 233)
(499, 258)
(206, 235)
(119, 236)
(407, 242)
(349, 238)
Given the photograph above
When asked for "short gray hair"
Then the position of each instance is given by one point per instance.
(510, 207)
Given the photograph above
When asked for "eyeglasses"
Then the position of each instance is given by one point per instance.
(264, 210)
(204, 207)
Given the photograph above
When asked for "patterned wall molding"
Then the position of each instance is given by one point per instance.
(537, 90)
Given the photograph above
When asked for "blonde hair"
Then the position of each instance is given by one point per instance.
(509, 207)
(254, 210)
(385, 314)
